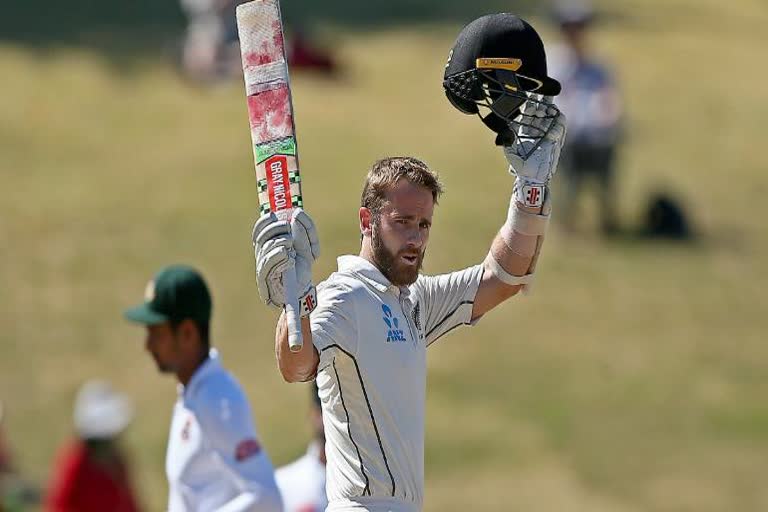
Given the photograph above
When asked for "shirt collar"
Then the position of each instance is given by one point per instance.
(369, 274)
(209, 366)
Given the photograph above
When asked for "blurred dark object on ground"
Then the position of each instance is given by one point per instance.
(665, 217)
(303, 54)
(593, 106)
(92, 473)
(15, 493)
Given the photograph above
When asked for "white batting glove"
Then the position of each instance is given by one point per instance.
(278, 246)
(535, 169)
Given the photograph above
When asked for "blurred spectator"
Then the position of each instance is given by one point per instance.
(5, 453)
(211, 50)
(15, 494)
(593, 106)
(92, 474)
(302, 482)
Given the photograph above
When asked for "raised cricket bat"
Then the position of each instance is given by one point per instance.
(270, 111)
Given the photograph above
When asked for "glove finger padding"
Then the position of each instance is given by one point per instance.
(270, 248)
(541, 164)
(270, 268)
(305, 240)
(273, 249)
(558, 132)
(271, 231)
(261, 224)
(306, 245)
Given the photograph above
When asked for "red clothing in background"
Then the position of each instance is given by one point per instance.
(84, 484)
(5, 457)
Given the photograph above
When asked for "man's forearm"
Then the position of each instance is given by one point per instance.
(517, 245)
(298, 366)
(511, 262)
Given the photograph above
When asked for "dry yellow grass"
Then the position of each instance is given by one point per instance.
(634, 379)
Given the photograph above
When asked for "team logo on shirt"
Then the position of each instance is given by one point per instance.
(247, 449)
(417, 316)
(394, 333)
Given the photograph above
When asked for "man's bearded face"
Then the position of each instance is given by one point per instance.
(401, 265)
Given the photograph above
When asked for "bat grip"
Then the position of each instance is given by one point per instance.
(292, 312)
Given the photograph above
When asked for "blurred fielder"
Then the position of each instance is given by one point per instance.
(214, 461)
(302, 482)
(366, 340)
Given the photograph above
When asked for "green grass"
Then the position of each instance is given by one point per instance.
(633, 380)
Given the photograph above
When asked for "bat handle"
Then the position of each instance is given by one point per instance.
(292, 312)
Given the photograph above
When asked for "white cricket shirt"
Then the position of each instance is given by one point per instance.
(215, 461)
(302, 483)
(372, 339)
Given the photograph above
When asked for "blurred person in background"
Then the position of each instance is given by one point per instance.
(92, 473)
(302, 482)
(15, 493)
(5, 453)
(592, 103)
(210, 50)
(214, 460)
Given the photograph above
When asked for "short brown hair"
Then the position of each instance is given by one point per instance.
(388, 171)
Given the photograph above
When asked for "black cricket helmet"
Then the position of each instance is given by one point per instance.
(498, 62)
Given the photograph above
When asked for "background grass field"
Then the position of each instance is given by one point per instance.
(635, 379)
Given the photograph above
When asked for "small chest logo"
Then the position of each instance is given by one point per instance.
(394, 333)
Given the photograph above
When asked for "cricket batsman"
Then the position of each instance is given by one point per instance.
(367, 327)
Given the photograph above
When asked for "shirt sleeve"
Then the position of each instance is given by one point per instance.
(225, 418)
(447, 300)
(334, 322)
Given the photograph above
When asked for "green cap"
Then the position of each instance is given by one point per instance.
(176, 293)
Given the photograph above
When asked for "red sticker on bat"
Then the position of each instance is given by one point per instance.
(278, 183)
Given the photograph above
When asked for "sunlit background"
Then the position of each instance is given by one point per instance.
(634, 379)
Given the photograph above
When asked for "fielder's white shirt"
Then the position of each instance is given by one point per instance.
(372, 338)
(214, 460)
(302, 483)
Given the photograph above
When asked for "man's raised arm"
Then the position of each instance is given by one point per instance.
(511, 262)
(278, 244)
